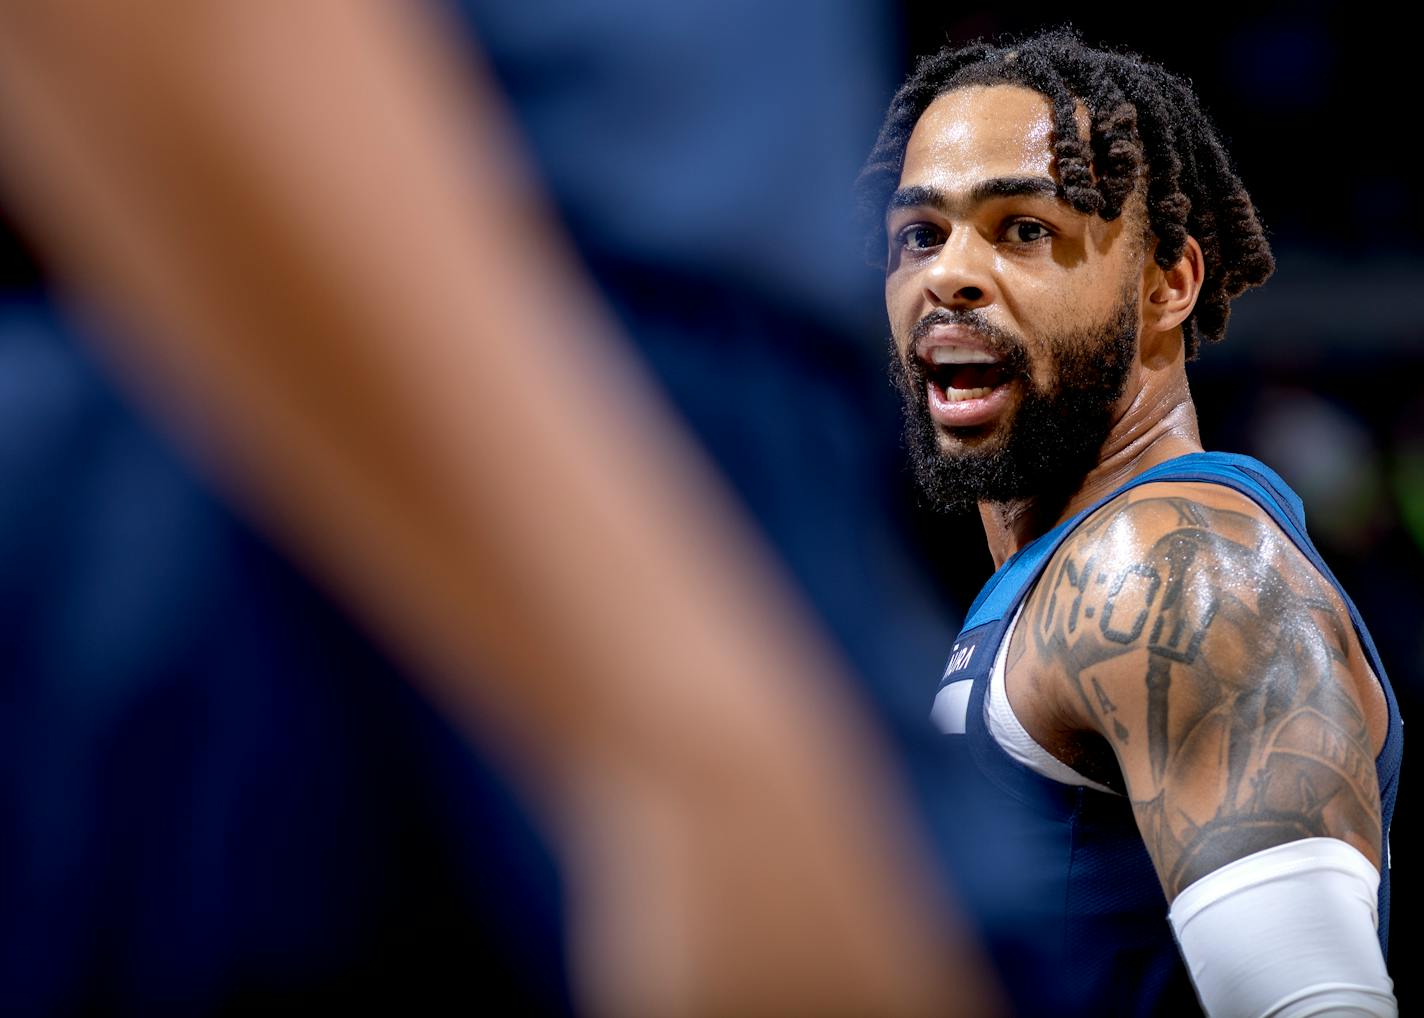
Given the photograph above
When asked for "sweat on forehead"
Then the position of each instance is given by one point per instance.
(966, 131)
(976, 143)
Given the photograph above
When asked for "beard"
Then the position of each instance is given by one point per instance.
(1050, 440)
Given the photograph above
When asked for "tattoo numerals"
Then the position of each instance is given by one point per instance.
(1206, 650)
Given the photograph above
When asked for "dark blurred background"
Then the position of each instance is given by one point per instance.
(1317, 377)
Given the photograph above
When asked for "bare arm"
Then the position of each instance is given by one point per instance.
(1188, 633)
(314, 225)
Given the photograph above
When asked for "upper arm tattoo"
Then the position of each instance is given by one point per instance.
(1206, 650)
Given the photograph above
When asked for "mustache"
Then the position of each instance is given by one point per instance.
(1001, 342)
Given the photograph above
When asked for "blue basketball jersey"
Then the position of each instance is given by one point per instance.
(1057, 875)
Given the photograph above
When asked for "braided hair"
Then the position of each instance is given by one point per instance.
(1145, 123)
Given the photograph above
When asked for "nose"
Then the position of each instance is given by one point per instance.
(961, 274)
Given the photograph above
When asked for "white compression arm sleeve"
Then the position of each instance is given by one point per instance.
(1286, 932)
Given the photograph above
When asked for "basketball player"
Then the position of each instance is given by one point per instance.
(1181, 721)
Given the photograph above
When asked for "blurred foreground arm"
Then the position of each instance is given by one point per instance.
(311, 223)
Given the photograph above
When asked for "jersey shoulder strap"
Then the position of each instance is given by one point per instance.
(1005, 589)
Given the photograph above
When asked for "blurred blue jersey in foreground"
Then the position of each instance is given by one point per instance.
(219, 797)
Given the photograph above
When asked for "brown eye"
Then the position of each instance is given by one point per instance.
(919, 237)
(1025, 231)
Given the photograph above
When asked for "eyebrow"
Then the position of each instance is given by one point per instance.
(919, 196)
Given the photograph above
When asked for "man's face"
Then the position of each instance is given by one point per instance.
(1014, 317)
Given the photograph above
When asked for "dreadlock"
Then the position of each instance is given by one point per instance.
(1145, 123)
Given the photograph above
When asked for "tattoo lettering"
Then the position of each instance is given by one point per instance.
(1208, 651)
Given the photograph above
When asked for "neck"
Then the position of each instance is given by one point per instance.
(1157, 425)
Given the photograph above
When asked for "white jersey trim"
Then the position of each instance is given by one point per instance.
(1010, 733)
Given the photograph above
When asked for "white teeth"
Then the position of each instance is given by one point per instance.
(961, 355)
(955, 395)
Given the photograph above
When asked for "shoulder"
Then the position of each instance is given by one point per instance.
(1159, 563)
(1183, 627)
(1188, 601)
(1150, 518)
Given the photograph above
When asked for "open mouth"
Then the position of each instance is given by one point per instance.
(959, 382)
(961, 373)
(967, 385)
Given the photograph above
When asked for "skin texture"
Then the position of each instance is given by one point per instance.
(1195, 660)
(1178, 647)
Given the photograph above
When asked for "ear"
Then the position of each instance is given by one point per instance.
(1172, 292)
